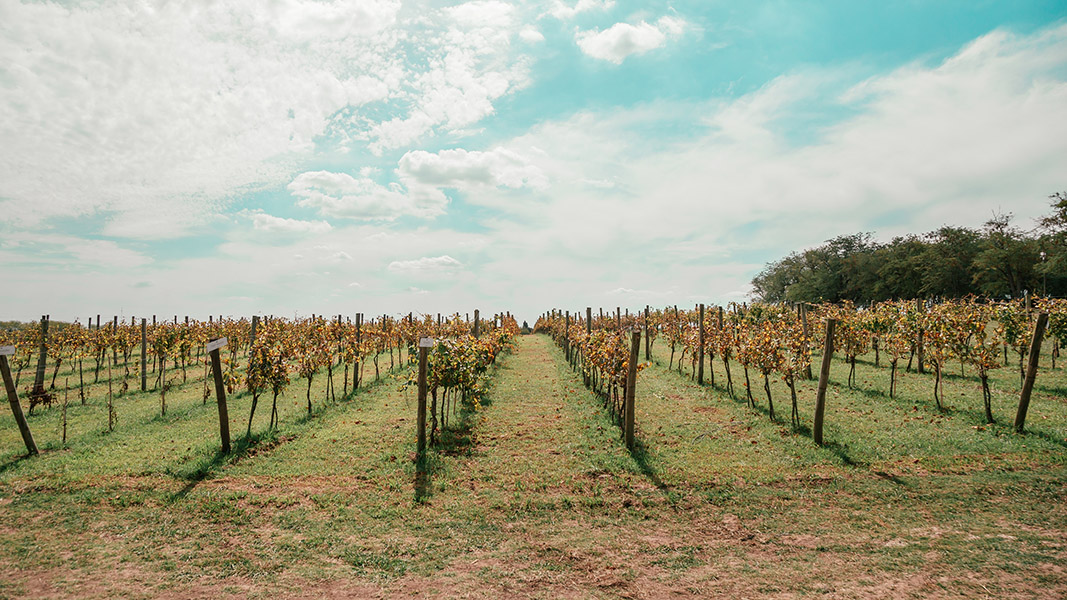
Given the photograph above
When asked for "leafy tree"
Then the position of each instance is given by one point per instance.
(1005, 264)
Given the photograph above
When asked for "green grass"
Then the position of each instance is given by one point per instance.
(536, 496)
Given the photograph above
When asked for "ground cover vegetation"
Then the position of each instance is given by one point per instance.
(531, 490)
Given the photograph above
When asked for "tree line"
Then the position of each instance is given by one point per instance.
(998, 260)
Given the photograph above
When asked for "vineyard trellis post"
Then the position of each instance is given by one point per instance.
(13, 399)
(567, 337)
(1031, 371)
(648, 346)
(212, 349)
(824, 379)
(144, 354)
(631, 389)
(477, 323)
(700, 345)
(919, 341)
(420, 447)
(42, 359)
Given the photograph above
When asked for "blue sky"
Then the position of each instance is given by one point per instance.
(387, 156)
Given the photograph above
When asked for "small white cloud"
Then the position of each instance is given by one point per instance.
(355, 284)
(482, 13)
(563, 11)
(339, 256)
(271, 224)
(621, 40)
(427, 264)
(531, 35)
(459, 168)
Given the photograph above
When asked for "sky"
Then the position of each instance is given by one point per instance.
(292, 157)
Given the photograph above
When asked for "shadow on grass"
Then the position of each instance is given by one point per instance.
(208, 466)
(1046, 436)
(640, 455)
(14, 462)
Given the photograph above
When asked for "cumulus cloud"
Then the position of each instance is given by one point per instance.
(459, 168)
(178, 108)
(621, 40)
(272, 224)
(565, 11)
(427, 264)
(341, 195)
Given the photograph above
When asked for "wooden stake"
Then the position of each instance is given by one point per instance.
(420, 447)
(824, 379)
(220, 395)
(700, 345)
(16, 407)
(144, 354)
(648, 346)
(1031, 371)
(631, 390)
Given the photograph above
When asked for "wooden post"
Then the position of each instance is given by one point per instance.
(42, 358)
(420, 448)
(919, 341)
(220, 392)
(618, 317)
(255, 326)
(648, 346)
(13, 399)
(477, 324)
(567, 336)
(824, 379)
(700, 345)
(115, 350)
(631, 390)
(144, 354)
(1031, 371)
(359, 355)
(807, 336)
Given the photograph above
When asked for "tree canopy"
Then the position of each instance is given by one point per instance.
(999, 260)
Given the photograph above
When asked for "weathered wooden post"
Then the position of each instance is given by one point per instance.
(255, 327)
(807, 336)
(359, 353)
(631, 389)
(42, 360)
(648, 345)
(567, 337)
(13, 399)
(824, 379)
(144, 354)
(919, 341)
(1031, 371)
(212, 349)
(477, 324)
(700, 345)
(420, 448)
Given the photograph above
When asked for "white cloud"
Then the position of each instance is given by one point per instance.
(621, 40)
(271, 224)
(341, 195)
(531, 35)
(459, 168)
(435, 264)
(482, 13)
(176, 108)
(565, 11)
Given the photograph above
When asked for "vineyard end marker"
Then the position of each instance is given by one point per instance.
(215, 345)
